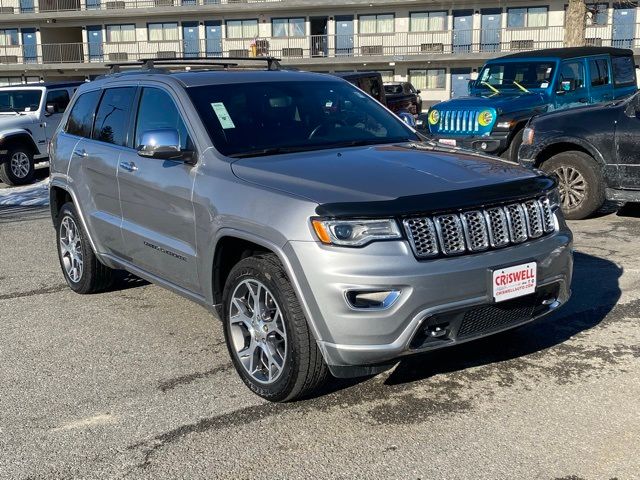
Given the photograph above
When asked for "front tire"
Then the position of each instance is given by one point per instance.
(582, 189)
(19, 168)
(81, 268)
(511, 153)
(267, 334)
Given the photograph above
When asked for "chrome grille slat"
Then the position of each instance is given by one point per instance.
(480, 229)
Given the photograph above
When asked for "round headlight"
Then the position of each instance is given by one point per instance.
(485, 118)
(434, 117)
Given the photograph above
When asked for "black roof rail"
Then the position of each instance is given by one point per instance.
(225, 62)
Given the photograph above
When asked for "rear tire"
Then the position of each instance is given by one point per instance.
(271, 346)
(582, 188)
(81, 268)
(19, 168)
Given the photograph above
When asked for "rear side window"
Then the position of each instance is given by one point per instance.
(81, 116)
(112, 119)
(623, 71)
(599, 72)
(59, 98)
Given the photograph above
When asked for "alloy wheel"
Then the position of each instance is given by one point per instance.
(572, 187)
(71, 249)
(20, 164)
(257, 330)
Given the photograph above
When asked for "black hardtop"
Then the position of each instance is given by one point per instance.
(572, 52)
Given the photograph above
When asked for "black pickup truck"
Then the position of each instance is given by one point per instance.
(404, 93)
(593, 150)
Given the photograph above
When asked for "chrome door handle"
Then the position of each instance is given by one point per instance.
(128, 166)
(80, 153)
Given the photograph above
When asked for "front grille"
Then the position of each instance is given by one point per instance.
(495, 317)
(479, 229)
(459, 121)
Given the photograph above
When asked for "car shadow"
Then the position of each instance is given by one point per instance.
(586, 309)
(630, 210)
(124, 280)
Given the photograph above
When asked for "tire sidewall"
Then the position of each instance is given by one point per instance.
(68, 210)
(262, 271)
(9, 172)
(594, 187)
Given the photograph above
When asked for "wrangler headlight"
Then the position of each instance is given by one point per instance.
(434, 116)
(485, 118)
(355, 233)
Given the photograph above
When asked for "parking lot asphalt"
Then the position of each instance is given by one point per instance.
(137, 383)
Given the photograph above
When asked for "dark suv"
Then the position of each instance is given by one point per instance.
(593, 151)
(326, 234)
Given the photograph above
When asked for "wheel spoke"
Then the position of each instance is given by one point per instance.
(247, 356)
(242, 313)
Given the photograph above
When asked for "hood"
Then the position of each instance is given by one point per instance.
(503, 103)
(14, 121)
(390, 179)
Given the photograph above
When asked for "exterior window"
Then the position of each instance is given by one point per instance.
(162, 31)
(599, 14)
(527, 17)
(121, 33)
(242, 28)
(157, 111)
(428, 21)
(288, 27)
(572, 71)
(623, 71)
(59, 98)
(81, 116)
(9, 37)
(112, 119)
(376, 23)
(429, 79)
(599, 72)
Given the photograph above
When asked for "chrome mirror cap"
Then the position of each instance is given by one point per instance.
(162, 143)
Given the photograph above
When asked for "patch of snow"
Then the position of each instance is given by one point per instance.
(34, 195)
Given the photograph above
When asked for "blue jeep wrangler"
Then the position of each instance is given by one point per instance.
(512, 89)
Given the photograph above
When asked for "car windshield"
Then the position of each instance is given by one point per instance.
(19, 100)
(516, 75)
(254, 119)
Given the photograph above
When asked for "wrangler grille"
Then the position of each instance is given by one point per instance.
(479, 229)
(459, 121)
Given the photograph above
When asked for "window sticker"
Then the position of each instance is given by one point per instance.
(223, 116)
(544, 84)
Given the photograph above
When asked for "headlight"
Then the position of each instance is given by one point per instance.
(528, 135)
(434, 117)
(554, 198)
(485, 118)
(504, 125)
(355, 233)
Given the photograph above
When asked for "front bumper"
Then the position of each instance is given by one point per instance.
(429, 291)
(495, 143)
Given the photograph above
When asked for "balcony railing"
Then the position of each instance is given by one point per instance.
(398, 46)
(48, 6)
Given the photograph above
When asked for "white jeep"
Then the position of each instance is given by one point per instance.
(29, 115)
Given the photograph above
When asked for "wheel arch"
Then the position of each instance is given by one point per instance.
(568, 144)
(19, 137)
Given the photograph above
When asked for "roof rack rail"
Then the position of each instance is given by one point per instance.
(225, 62)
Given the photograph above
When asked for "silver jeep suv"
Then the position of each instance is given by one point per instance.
(327, 235)
(29, 115)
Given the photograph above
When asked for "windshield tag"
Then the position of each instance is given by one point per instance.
(27, 109)
(544, 84)
(223, 116)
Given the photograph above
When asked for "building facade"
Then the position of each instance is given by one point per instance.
(435, 45)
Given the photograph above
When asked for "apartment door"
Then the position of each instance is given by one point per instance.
(29, 46)
(319, 44)
(190, 39)
(462, 30)
(491, 21)
(344, 36)
(94, 39)
(624, 25)
(213, 38)
(460, 82)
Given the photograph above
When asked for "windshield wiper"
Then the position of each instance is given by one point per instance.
(489, 86)
(520, 87)
(13, 109)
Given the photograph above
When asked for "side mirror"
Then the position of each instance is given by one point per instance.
(567, 86)
(163, 144)
(50, 109)
(418, 92)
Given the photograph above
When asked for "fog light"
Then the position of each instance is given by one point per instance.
(483, 145)
(371, 299)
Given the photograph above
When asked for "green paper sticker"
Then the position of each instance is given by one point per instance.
(223, 116)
